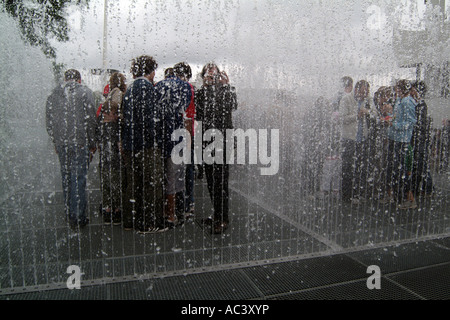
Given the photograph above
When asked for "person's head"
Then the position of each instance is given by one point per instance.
(403, 87)
(382, 96)
(362, 89)
(378, 96)
(421, 88)
(347, 84)
(117, 80)
(72, 75)
(387, 95)
(210, 74)
(168, 72)
(143, 66)
(182, 70)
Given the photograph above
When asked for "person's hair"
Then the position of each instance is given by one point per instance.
(420, 87)
(346, 82)
(378, 95)
(207, 66)
(404, 86)
(168, 72)
(360, 84)
(182, 69)
(117, 80)
(388, 92)
(143, 65)
(72, 74)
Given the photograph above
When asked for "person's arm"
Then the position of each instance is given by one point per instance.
(408, 118)
(347, 111)
(229, 92)
(91, 119)
(190, 112)
(49, 118)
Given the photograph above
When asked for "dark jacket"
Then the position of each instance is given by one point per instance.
(421, 132)
(214, 106)
(173, 96)
(141, 125)
(70, 115)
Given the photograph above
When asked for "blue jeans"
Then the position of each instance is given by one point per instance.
(74, 162)
(189, 194)
(396, 170)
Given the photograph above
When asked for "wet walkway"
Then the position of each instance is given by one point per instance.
(261, 256)
(416, 271)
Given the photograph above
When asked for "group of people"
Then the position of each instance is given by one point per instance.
(384, 142)
(142, 188)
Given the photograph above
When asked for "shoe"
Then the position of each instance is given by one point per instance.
(321, 195)
(386, 200)
(107, 216)
(145, 230)
(84, 222)
(407, 205)
(160, 229)
(207, 221)
(171, 224)
(127, 226)
(75, 225)
(219, 227)
(117, 218)
(356, 200)
(189, 214)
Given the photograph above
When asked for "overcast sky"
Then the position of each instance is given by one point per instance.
(282, 43)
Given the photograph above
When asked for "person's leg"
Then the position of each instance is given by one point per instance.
(106, 183)
(170, 207)
(359, 170)
(348, 152)
(129, 201)
(116, 194)
(64, 162)
(78, 178)
(221, 193)
(153, 193)
(171, 190)
(399, 173)
(389, 161)
(189, 194)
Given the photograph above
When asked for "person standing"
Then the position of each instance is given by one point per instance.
(142, 140)
(71, 124)
(110, 150)
(365, 142)
(348, 115)
(173, 97)
(421, 139)
(214, 102)
(183, 71)
(354, 111)
(400, 130)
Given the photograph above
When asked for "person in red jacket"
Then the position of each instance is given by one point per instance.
(183, 71)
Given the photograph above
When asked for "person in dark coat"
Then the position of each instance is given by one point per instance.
(214, 102)
(71, 124)
(142, 143)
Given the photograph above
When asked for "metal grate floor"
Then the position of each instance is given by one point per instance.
(424, 274)
(262, 256)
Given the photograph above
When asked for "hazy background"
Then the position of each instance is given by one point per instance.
(296, 45)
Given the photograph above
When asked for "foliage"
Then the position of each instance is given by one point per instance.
(41, 20)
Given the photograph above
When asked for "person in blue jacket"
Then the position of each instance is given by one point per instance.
(142, 143)
(400, 130)
(173, 98)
